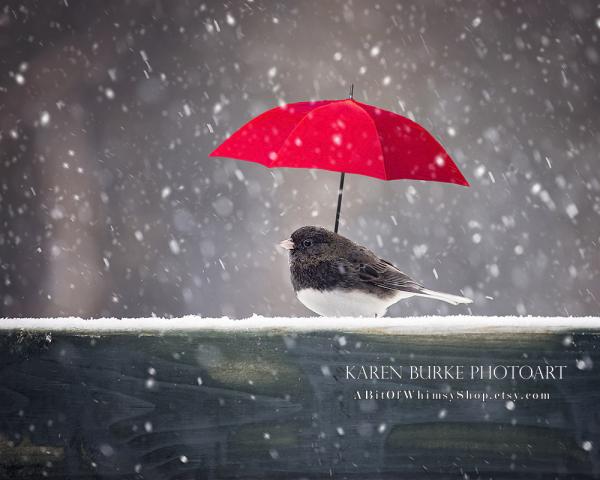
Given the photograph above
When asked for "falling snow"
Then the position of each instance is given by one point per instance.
(106, 132)
(112, 207)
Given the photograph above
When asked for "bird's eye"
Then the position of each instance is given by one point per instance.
(307, 243)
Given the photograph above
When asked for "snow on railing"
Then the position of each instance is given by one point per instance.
(427, 325)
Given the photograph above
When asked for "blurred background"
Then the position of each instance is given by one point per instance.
(109, 205)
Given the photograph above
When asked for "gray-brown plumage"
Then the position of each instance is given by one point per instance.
(333, 276)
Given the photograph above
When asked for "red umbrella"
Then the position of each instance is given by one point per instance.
(342, 136)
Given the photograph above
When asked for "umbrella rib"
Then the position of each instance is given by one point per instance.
(293, 130)
(378, 138)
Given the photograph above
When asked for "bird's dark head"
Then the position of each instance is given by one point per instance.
(312, 241)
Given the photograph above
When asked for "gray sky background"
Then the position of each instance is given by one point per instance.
(109, 204)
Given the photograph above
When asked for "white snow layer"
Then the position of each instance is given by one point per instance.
(429, 325)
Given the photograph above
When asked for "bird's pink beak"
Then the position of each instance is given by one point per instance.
(287, 244)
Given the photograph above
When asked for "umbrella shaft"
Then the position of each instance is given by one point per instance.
(339, 205)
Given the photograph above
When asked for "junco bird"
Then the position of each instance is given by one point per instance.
(334, 276)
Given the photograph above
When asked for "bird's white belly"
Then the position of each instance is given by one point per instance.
(342, 303)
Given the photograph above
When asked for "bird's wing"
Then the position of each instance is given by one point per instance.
(376, 271)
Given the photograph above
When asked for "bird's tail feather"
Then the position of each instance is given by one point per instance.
(445, 297)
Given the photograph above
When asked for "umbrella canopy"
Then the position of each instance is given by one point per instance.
(342, 136)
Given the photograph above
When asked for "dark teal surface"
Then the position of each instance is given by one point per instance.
(248, 405)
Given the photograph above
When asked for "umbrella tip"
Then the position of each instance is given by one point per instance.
(352, 90)
(463, 181)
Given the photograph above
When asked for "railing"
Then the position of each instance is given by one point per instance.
(300, 398)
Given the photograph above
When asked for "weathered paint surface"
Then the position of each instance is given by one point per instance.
(219, 404)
